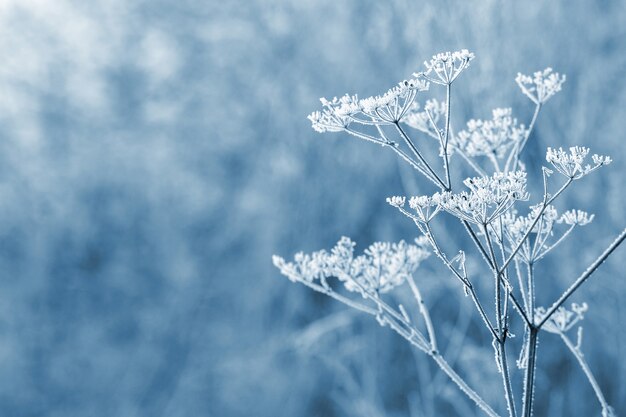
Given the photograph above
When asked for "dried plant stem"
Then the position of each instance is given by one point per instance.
(444, 144)
(410, 334)
(447, 369)
(424, 312)
(419, 156)
(547, 200)
(517, 149)
(585, 367)
(501, 339)
(529, 375)
(585, 275)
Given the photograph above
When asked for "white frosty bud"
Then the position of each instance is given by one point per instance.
(445, 67)
(576, 217)
(396, 201)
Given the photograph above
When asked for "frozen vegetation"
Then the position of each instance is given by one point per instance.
(155, 154)
(509, 234)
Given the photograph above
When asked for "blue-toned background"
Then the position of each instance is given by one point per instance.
(155, 154)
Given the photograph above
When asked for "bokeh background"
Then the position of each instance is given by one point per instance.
(154, 154)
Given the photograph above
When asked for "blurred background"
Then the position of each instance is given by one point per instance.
(155, 154)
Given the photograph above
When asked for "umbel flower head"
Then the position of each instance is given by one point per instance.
(563, 319)
(491, 138)
(488, 198)
(576, 218)
(425, 207)
(382, 267)
(392, 106)
(445, 67)
(541, 86)
(571, 164)
(335, 114)
(425, 120)
(516, 227)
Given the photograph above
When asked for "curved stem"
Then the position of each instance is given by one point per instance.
(447, 369)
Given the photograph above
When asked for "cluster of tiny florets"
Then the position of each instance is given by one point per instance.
(426, 120)
(487, 198)
(396, 201)
(491, 138)
(393, 105)
(445, 67)
(516, 226)
(576, 217)
(563, 319)
(571, 164)
(541, 86)
(382, 267)
(337, 114)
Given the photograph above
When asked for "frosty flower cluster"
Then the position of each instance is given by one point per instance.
(517, 226)
(393, 105)
(382, 267)
(337, 114)
(425, 207)
(563, 319)
(541, 86)
(426, 120)
(491, 138)
(445, 67)
(571, 164)
(576, 218)
(543, 224)
(511, 244)
(487, 198)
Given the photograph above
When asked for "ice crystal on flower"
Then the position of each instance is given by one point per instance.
(563, 319)
(381, 267)
(541, 86)
(445, 67)
(488, 198)
(576, 217)
(425, 207)
(396, 201)
(491, 138)
(335, 114)
(392, 106)
(571, 164)
(421, 119)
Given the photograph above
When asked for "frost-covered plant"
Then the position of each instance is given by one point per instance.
(509, 235)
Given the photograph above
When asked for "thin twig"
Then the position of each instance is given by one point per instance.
(582, 278)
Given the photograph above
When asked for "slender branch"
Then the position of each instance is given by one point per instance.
(531, 290)
(517, 149)
(447, 369)
(555, 244)
(419, 155)
(582, 278)
(424, 312)
(501, 340)
(585, 367)
(329, 292)
(529, 375)
(447, 137)
(464, 280)
(479, 245)
(546, 202)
